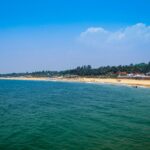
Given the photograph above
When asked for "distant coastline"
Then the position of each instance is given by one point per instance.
(115, 81)
(133, 75)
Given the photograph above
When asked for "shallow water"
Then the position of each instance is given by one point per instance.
(36, 115)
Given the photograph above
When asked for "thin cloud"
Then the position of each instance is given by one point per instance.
(135, 37)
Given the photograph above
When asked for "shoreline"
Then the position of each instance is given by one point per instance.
(128, 82)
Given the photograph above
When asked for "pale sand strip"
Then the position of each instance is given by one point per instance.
(131, 82)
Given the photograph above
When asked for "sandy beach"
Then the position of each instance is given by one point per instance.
(129, 82)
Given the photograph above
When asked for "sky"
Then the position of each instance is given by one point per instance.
(61, 34)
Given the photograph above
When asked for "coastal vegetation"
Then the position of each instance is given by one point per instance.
(87, 70)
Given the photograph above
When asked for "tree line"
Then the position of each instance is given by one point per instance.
(87, 70)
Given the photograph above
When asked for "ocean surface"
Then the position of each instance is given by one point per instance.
(39, 115)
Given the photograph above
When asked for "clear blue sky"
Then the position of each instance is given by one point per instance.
(61, 34)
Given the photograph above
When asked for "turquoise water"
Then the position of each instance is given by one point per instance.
(36, 115)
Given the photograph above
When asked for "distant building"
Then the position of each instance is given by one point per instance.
(148, 74)
(130, 75)
(139, 75)
(122, 74)
(133, 75)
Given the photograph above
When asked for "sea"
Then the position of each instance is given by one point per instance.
(40, 115)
